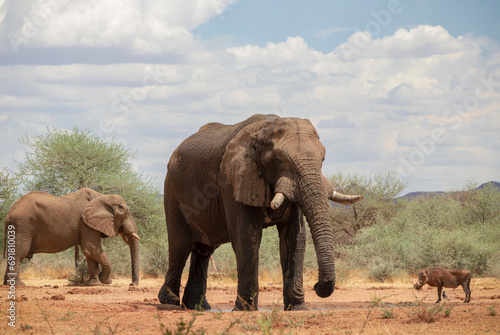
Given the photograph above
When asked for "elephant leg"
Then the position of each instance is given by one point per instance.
(93, 267)
(292, 248)
(105, 275)
(92, 250)
(97, 278)
(245, 229)
(179, 248)
(12, 270)
(77, 256)
(196, 286)
(15, 255)
(170, 290)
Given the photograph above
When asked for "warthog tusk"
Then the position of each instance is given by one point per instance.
(134, 235)
(344, 199)
(277, 200)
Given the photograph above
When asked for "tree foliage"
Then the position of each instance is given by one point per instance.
(379, 193)
(64, 161)
(8, 192)
(482, 204)
(448, 231)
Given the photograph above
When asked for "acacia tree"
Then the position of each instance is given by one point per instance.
(379, 203)
(481, 203)
(64, 161)
(8, 192)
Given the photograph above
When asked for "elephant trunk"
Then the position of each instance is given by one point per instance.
(134, 254)
(130, 237)
(313, 201)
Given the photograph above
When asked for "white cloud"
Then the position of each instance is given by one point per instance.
(420, 42)
(144, 27)
(293, 52)
(372, 109)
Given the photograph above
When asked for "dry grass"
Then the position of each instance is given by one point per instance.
(360, 279)
(41, 268)
(38, 272)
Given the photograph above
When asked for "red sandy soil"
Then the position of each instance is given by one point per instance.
(52, 307)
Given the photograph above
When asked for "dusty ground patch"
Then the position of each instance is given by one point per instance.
(50, 306)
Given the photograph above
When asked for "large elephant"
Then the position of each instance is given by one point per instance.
(43, 223)
(226, 183)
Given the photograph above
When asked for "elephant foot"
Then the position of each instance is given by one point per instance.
(244, 309)
(245, 305)
(201, 305)
(298, 307)
(106, 281)
(166, 296)
(94, 282)
(205, 306)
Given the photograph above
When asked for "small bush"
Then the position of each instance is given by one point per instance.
(225, 260)
(428, 232)
(387, 314)
(422, 313)
(80, 276)
(342, 272)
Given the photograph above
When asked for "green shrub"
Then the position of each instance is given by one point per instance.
(430, 232)
(80, 275)
(225, 261)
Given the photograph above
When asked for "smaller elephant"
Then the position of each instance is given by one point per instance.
(43, 223)
(437, 277)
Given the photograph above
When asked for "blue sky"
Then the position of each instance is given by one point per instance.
(405, 86)
(324, 24)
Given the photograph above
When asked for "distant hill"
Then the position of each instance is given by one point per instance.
(412, 195)
(493, 183)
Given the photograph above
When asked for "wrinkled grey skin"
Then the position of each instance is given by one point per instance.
(43, 223)
(219, 188)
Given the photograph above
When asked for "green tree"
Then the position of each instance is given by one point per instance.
(64, 161)
(8, 192)
(429, 231)
(481, 204)
(8, 195)
(379, 203)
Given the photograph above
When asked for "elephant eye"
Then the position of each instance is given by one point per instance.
(112, 210)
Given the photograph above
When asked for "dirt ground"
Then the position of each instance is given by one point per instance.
(53, 307)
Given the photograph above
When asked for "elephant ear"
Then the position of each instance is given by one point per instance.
(98, 214)
(240, 165)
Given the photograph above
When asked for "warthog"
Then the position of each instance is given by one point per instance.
(437, 277)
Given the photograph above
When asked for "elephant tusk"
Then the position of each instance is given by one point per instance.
(344, 199)
(277, 200)
(124, 238)
(134, 235)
